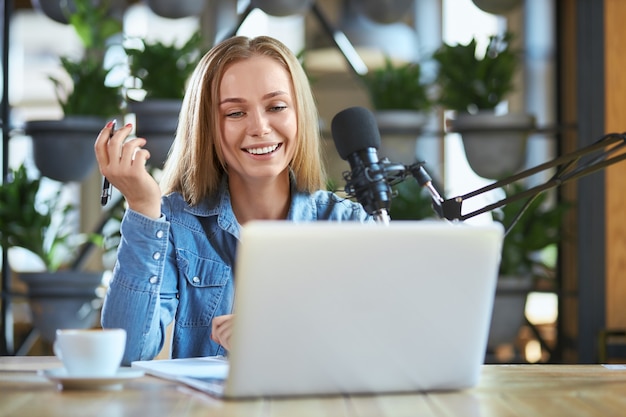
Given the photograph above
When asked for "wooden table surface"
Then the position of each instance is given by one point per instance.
(504, 390)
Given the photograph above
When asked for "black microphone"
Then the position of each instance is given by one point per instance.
(357, 140)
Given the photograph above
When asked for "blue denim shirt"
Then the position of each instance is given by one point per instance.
(170, 269)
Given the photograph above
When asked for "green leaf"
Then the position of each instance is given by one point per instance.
(537, 229)
(89, 95)
(395, 87)
(468, 81)
(162, 70)
(23, 225)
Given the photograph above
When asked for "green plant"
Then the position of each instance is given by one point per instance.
(529, 247)
(468, 82)
(89, 94)
(395, 87)
(411, 202)
(41, 226)
(162, 70)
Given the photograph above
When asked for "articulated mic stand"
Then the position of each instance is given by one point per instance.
(571, 166)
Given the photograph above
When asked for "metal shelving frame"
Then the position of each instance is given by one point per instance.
(6, 317)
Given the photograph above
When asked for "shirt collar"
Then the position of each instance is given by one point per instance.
(219, 204)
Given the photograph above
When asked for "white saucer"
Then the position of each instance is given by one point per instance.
(65, 381)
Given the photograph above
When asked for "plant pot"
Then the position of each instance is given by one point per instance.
(495, 145)
(508, 310)
(63, 300)
(283, 7)
(54, 10)
(63, 149)
(497, 6)
(156, 121)
(384, 12)
(399, 130)
(58, 10)
(175, 9)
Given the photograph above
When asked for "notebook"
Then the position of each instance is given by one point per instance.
(328, 308)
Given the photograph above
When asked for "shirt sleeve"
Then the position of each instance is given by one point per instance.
(138, 298)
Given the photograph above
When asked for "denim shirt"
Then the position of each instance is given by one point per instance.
(173, 269)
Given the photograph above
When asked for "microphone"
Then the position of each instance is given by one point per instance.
(357, 140)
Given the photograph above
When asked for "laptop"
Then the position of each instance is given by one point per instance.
(326, 308)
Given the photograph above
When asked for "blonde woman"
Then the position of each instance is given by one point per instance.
(247, 148)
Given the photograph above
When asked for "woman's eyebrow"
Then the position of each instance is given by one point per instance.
(232, 100)
(274, 94)
(241, 100)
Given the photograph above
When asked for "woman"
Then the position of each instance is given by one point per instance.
(246, 148)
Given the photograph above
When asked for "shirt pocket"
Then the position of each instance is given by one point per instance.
(202, 289)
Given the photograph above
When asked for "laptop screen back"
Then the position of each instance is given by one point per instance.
(327, 308)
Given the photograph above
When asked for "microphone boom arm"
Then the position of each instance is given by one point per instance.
(571, 169)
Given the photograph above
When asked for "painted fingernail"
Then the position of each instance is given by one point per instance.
(110, 124)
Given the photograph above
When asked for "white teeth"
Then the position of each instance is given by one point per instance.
(262, 151)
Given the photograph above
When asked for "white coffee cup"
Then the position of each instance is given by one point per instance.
(90, 352)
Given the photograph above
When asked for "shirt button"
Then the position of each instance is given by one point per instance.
(159, 234)
(153, 279)
(196, 280)
(156, 256)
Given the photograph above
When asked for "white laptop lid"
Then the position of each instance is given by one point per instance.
(327, 308)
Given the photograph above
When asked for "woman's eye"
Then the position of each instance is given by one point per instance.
(278, 108)
(234, 114)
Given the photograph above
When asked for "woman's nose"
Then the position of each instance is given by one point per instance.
(258, 124)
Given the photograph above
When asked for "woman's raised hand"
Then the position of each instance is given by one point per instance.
(123, 163)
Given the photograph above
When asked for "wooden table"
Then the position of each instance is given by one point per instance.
(504, 390)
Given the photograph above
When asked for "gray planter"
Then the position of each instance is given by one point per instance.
(54, 10)
(63, 149)
(175, 9)
(387, 11)
(63, 300)
(497, 6)
(57, 9)
(283, 7)
(399, 130)
(156, 121)
(495, 145)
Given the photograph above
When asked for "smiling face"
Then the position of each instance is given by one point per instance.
(258, 122)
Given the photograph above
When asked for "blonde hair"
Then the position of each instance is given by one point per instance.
(195, 165)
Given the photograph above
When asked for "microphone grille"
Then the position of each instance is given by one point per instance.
(354, 129)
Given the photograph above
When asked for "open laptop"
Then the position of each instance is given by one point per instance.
(336, 308)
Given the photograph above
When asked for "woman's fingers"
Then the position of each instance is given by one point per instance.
(108, 146)
(222, 330)
(101, 144)
(129, 151)
(122, 161)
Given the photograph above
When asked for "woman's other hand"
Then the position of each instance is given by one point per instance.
(222, 329)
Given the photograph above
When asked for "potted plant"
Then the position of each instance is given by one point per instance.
(472, 86)
(160, 72)
(400, 97)
(63, 149)
(528, 258)
(59, 296)
(398, 87)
